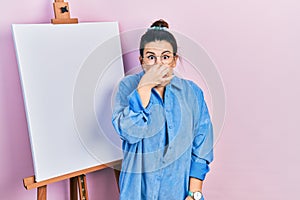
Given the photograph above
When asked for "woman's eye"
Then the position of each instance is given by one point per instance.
(166, 57)
(151, 57)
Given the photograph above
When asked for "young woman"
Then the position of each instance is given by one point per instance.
(164, 124)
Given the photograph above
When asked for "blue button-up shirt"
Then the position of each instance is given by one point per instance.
(163, 144)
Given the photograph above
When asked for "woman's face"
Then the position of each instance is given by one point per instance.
(159, 52)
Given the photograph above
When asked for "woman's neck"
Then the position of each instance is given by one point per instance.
(160, 90)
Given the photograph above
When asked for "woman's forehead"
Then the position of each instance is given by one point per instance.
(158, 46)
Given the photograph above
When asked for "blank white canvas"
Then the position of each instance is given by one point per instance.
(69, 74)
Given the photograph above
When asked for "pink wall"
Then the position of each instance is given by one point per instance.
(255, 45)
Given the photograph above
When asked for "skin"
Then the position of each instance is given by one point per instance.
(158, 76)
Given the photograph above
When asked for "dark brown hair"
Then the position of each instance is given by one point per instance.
(157, 32)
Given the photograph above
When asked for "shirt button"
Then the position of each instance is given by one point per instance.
(170, 126)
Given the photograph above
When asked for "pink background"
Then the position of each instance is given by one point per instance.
(255, 46)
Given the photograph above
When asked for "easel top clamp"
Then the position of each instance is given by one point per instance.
(62, 13)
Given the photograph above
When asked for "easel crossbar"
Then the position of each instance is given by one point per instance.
(30, 183)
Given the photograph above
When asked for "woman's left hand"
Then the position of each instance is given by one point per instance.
(189, 198)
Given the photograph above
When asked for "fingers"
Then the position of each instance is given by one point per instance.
(165, 81)
(165, 72)
(158, 71)
(157, 75)
(150, 84)
(162, 71)
(167, 78)
(158, 68)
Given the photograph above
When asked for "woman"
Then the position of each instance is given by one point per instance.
(164, 125)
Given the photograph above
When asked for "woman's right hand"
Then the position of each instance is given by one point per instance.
(189, 198)
(155, 75)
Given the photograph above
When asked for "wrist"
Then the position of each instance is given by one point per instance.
(195, 185)
(144, 88)
(196, 195)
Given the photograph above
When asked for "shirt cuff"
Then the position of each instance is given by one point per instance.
(199, 170)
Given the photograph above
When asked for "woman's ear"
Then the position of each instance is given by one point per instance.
(174, 61)
(141, 60)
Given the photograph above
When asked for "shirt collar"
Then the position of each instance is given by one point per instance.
(176, 82)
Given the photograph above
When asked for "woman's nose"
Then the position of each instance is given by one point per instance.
(158, 60)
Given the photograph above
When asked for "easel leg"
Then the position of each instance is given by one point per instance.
(78, 183)
(82, 187)
(117, 175)
(42, 192)
(117, 170)
(73, 188)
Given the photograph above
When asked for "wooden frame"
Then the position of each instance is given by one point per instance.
(77, 181)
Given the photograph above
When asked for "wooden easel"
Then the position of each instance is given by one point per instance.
(62, 13)
(78, 183)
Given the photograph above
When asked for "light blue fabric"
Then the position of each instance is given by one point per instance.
(165, 143)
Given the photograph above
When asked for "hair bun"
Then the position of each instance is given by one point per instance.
(160, 23)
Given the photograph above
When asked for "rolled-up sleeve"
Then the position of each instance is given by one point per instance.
(202, 150)
(129, 117)
(135, 104)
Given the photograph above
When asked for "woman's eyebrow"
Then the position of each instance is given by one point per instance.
(150, 52)
(167, 51)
